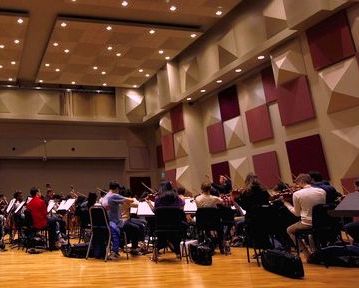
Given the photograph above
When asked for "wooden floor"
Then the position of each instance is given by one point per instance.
(51, 269)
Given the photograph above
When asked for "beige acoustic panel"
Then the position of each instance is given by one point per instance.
(51, 106)
(227, 50)
(183, 177)
(109, 54)
(181, 144)
(12, 37)
(288, 63)
(165, 124)
(351, 136)
(274, 17)
(82, 104)
(191, 74)
(135, 104)
(239, 168)
(3, 108)
(233, 132)
(139, 158)
(104, 105)
(341, 81)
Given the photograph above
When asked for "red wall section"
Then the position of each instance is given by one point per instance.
(228, 103)
(270, 90)
(171, 176)
(307, 154)
(330, 41)
(216, 138)
(221, 168)
(259, 124)
(168, 150)
(266, 168)
(176, 115)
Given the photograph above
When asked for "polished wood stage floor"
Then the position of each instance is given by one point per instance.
(51, 269)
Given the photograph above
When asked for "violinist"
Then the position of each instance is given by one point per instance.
(223, 187)
(303, 202)
(332, 195)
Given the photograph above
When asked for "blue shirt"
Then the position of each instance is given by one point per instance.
(112, 203)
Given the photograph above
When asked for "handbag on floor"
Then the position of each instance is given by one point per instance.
(282, 263)
(75, 251)
(200, 254)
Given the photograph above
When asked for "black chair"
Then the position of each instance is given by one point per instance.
(227, 220)
(169, 225)
(84, 223)
(208, 220)
(99, 225)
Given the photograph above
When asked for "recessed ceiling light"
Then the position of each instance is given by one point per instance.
(193, 35)
(94, 67)
(66, 50)
(55, 44)
(173, 8)
(124, 3)
(147, 75)
(189, 99)
(20, 21)
(63, 24)
(160, 51)
(238, 70)
(1, 66)
(41, 81)
(13, 62)
(108, 28)
(2, 46)
(73, 0)
(104, 84)
(118, 54)
(167, 57)
(103, 72)
(219, 81)
(73, 82)
(109, 48)
(203, 90)
(16, 41)
(219, 12)
(57, 70)
(152, 31)
(47, 65)
(68, 90)
(135, 86)
(10, 79)
(140, 70)
(261, 57)
(37, 87)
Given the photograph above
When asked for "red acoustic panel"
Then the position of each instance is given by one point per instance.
(259, 124)
(168, 150)
(160, 162)
(306, 154)
(266, 168)
(216, 138)
(295, 102)
(228, 103)
(330, 41)
(171, 176)
(270, 90)
(221, 168)
(348, 184)
(176, 115)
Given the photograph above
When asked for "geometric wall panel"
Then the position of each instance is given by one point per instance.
(139, 158)
(295, 102)
(266, 168)
(348, 184)
(239, 169)
(170, 175)
(181, 144)
(269, 86)
(215, 137)
(168, 150)
(165, 124)
(259, 124)
(3, 108)
(330, 41)
(225, 57)
(183, 177)
(228, 103)
(306, 154)
(288, 63)
(275, 19)
(342, 82)
(221, 168)
(233, 131)
(176, 115)
(134, 104)
(192, 74)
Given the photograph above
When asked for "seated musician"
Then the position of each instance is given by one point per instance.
(303, 202)
(224, 186)
(332, 195)
(113, 201)
(352, 228)
(205, 199)
(3, 205)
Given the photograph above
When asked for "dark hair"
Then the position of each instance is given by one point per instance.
(165, 186)
(280, 187)
(206, 187)
(34, 191)
(316, 176)
(168, 197)
(181, 191)
(91, 199)
(304, 178)
(113, 185)
(17, 194)
(252, 180)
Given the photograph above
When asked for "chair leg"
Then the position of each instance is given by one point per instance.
(297, 245)
(125, 246)
(88, 249)
(108, 246)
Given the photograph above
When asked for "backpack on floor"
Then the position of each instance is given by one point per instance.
(342, 256)
(200, 254)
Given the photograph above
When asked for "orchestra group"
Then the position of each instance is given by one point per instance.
(293, 206)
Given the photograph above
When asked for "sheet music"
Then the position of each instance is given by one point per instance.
(190, 205)
(11, 204)
(133, 210)
(50, 205)
(242, 211)
(144, 209)
(28, 199)
(67, 204)
(19, 207)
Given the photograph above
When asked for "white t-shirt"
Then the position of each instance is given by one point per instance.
(303, 202)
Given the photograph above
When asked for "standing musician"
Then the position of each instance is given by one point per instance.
(224, 186)
(303, 202)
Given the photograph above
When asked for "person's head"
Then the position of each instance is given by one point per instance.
(34, 191)
(206, 188)
(181, 191)
(2, 196)
(303, 180)
(18, 195)
(316, 176)
(114, 186)
(91, 199)
(222, 179)
(251, 179)
(165, 186)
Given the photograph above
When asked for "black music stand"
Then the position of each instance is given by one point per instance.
(349, 207)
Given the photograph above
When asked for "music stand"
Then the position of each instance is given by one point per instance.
(190, 206)
(64, 208)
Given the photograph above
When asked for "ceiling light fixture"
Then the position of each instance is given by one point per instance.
(2, 46)
(261, 57)
(238, 70)
(193, 35)
(63, 24)
(1, 66)
(203, 90)
(124, 3)
(118, 54)
(189, 99)
(167, 57)
(57, 70)
(73, 82)
(140, 70)
(55, 44)
(13, 63)
(10, 79)
(47, 65)
(152, 31)
(104, 84)
(94, 67)
(135, 86)
(67, 51)
(41, 81)
(219, 12)
(108, 28)
(16, 41)
(160, 51)
(147, 75)
(173, 8)
(68, 90)
(20, 21)
(103, 72)
(109, 48)
(219, 81)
